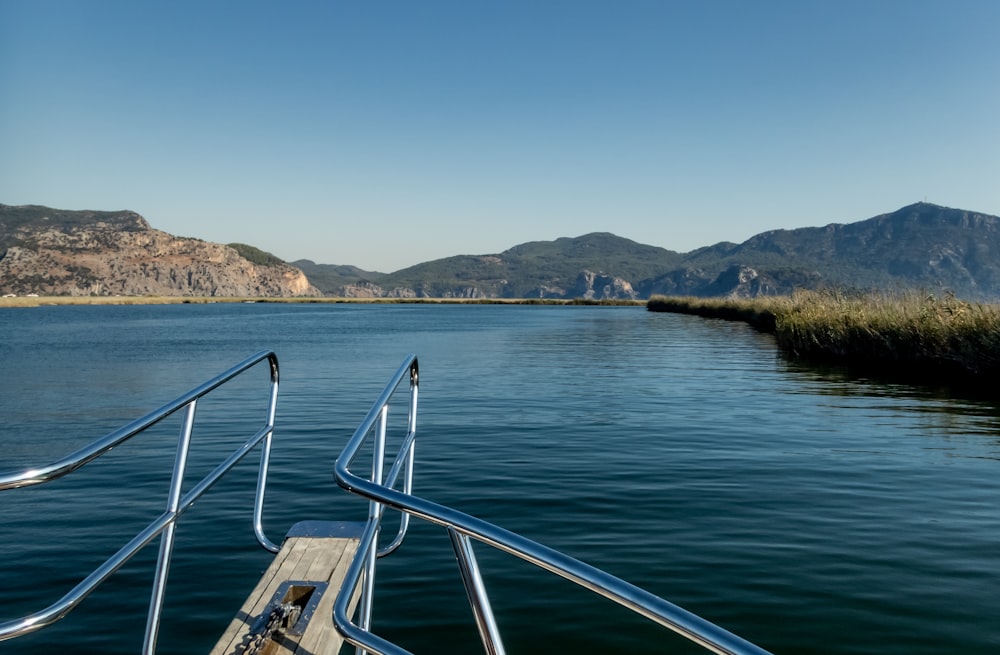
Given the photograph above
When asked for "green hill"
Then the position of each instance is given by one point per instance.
(538, 269)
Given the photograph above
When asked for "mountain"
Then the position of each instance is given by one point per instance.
(59, 252)
(598, 265)
(922, 246)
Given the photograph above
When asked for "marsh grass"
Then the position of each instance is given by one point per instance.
(917, 334)
(761, 312)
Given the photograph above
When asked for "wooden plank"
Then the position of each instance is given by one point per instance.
(313, 552)
(323, 640)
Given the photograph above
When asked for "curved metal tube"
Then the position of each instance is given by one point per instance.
(640, 601)
(93, 450)
(176, 505)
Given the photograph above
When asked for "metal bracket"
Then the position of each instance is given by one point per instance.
(303, 594)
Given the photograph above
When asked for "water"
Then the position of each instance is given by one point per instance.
(805, 510)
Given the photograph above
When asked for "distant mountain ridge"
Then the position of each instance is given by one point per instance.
(922, 246)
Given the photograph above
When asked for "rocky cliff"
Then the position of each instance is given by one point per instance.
(56, 252)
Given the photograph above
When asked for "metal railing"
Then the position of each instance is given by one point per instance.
(177, 501)
(462, 529)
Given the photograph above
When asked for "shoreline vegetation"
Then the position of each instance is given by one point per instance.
(916, 336)
(39, 301)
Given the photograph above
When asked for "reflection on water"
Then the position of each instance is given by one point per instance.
(807, 510)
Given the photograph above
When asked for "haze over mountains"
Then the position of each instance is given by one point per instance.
(922, 246)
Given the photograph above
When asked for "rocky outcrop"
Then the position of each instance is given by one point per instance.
(123, 255)
(740, 282)
(680, 282)
(372, 290)
(360, 290)
(599, 286)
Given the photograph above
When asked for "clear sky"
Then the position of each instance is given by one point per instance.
(384, 134)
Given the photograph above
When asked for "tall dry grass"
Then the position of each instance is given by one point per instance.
(922, 334)
(914, 331)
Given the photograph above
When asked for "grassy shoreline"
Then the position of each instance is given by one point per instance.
(38, 301)
(917, 336)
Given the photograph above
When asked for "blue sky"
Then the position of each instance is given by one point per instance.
(383, 134)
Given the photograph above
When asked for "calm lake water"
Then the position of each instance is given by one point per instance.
(805, 510)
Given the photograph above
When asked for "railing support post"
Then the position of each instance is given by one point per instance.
(374, 516)
(476, 591)
(265, 459)
(167, 539)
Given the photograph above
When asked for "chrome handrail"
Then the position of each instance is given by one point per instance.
(376, 421)
(462, 528)
(177, 503)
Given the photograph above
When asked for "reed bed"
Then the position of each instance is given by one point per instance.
(916, 334)
(760, 312)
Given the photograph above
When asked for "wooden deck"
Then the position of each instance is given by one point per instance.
(308, 571)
